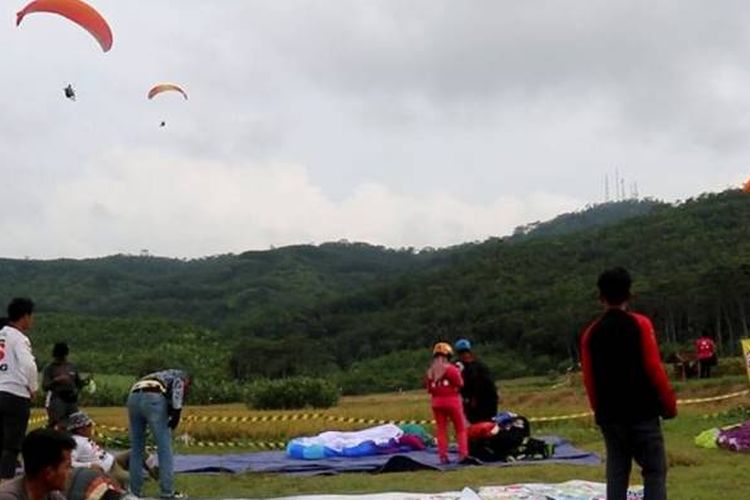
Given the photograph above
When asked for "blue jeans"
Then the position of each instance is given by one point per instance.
(150, 409)
(644, 443)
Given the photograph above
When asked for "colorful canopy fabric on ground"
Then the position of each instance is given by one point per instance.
(278, 462)
(736, 438)
(732, 437)
(707, 438)
(383, 439)
(570, 490)
(466, 494)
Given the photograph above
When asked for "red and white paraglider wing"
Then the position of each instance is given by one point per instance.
(76, 11)
(166, 87)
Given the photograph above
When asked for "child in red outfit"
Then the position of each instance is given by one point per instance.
(444, 384)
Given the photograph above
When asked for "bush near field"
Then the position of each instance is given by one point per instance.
(292, 393)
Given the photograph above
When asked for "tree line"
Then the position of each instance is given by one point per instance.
(365, 315)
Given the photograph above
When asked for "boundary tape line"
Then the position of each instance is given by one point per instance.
(275, 445)
(355, 420)
(713, 398)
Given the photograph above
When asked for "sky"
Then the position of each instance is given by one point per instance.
(405, 123)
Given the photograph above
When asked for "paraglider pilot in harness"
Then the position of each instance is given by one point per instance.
(70, 93)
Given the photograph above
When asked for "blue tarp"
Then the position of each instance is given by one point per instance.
(278, 462)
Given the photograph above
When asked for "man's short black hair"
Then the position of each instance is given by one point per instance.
(614, 286)
(19, 307)
(44, 448)
(60, 350)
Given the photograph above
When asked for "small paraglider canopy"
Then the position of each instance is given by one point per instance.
(160, 88)
(163, 124)
(70, 92)
(76, 11)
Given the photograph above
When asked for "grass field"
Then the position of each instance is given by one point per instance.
(695, 473)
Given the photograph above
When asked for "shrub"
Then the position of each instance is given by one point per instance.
(292, 393)
(211, 392)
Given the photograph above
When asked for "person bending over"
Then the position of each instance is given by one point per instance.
(156, 401)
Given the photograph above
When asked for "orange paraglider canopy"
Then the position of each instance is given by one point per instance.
(746, 186)
(165, 87)
(77, 11)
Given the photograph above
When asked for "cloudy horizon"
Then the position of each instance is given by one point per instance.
(399, 123)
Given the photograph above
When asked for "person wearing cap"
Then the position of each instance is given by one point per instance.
(444, 382)
(62, 381)
(88, 454)
(18, 382)
(479, 393)
(156, 401)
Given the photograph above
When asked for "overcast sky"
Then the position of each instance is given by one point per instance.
(403, 123)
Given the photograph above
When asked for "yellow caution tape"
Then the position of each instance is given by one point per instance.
(555, 418)
(263, 445)
(111, 428)
(288, 418)
(713, 398)
(233, 419)
(37, 420)
(356, 420)
(349, 420)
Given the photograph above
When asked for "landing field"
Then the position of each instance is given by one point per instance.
(695, 473)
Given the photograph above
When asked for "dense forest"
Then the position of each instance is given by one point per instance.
(366, 314)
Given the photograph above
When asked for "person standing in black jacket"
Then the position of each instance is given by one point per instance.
(479, 393)
(62, 381)
(628, 389)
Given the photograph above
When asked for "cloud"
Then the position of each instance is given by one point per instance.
(413, 123)
(183, 207)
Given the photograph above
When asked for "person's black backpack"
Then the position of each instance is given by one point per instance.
(533, 449)
(503, 445)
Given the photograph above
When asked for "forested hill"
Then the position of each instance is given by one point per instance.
(205, 291)
(691, 265)
(226, 290)
(594, 216)
(313, 309)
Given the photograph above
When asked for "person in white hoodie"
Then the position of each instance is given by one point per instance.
(18, 383)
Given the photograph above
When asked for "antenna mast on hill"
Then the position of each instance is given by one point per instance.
(621, 189)
(606, 188)
(618, 185)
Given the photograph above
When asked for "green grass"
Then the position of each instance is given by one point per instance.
(695, 473)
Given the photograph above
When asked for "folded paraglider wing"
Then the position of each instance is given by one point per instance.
(165, 87)
(77, 11)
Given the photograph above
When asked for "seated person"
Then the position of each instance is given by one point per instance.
(88, 454)
(46, 464)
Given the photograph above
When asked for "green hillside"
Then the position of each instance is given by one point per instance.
(691, 265)
(355, 311)
(210, 291)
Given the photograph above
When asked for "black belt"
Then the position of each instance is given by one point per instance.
(148, 389)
